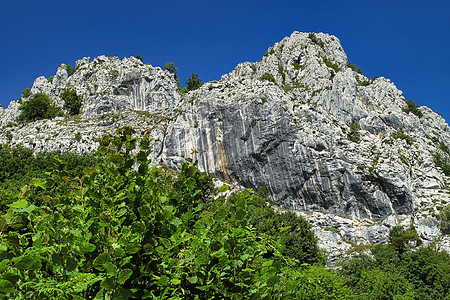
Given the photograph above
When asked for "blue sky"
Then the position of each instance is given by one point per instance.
(406, 41)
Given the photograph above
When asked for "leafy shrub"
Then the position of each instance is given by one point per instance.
(140, 58)
(19, 166)
(364, 83)
(413, 108)
(312, 36)
(441, 158)
(193, 82)
(353, 134)
(399, 134)
(50, 79)
(359, 71)
(70, 70)
(269, 52)
(294, 231)
(174, 70)
(26, 93)
(268, 77)
(37, 108)
(331, 65)
(72, 102)
(396, 272)
(351, 66)
(138, 232)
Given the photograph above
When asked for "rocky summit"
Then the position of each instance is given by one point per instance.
(347, 152)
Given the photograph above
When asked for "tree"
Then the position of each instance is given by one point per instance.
(38, 108)
(174, 70)
(193, 82)
(403, 239)
(72, 102)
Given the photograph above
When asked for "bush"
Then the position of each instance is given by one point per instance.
(353, 135)
(140, 58)
(399, 134)
(312, 36)
(72, 102)
(331, 65)
(26, 93)
(193, 82)
(412, 108)
(268, 77)
(359, 71)
(174, 70)
(299, 241)
(124, 232)
(351, 66)
(37, 108)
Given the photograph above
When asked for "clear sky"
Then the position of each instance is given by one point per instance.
(407, 41)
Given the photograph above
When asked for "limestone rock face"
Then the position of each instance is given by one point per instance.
(317, 135)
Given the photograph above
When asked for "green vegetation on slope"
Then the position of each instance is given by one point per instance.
(126, 229)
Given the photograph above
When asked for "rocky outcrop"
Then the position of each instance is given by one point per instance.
(317, 135)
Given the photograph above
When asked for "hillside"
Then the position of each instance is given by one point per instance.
(347, 152)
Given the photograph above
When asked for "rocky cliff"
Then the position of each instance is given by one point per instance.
(341, 149)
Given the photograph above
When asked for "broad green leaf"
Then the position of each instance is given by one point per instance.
(28, 209)
(4, 264)
(132, 248)
(175, 281)
(163, 280)
(118, 252)
(111, 269)
(28, 263)
(101, 260)
(267, 263)
(122, 294)
(71, 264)
(6, 287)
(19, 204)
(39, 182)
(176, 221)
(193, 279)
(124, 275)
(108, 284)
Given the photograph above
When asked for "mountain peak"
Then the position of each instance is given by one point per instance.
(302, 122)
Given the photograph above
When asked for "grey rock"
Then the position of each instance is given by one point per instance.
(291, 136)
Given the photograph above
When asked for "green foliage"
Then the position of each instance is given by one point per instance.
(140, 58)
(294, 231)
(70, 70)
(26, 93)
(193, 82)
(37, 108)
(269, 52)
(364, 83)
(413, 108)
(359, 71)
(174, 70)
(444, 219)
(170, 67)
(312, 36)
(353, 134)
(72, 102)
(268, 77)
(399, 134)
(121, 232)
(50, 79)
(331, 65)
(394, 272)
(441, 158)
(351, 66)
(403, 239)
